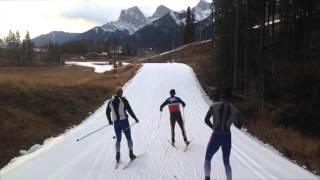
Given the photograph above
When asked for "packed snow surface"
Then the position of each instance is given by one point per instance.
(93, 158)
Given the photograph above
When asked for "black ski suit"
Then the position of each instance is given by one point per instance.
(175, 115)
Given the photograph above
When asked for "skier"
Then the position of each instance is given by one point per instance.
(118, 106)
(224, 114)
(175, 115)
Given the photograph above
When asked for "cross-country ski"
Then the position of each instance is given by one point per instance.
(132, 161)
(187, 146)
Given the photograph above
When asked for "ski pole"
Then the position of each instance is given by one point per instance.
(184, 122)
(93, 132)
(159, 119)
(126, 129)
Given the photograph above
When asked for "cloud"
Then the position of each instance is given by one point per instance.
(103, 11)
(92, 12)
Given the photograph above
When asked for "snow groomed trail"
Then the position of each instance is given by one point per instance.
(93, 158)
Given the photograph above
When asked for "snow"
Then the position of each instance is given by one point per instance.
(161, 11)
(31, 150)
(93, 158)
(175, 18)
(98, 68)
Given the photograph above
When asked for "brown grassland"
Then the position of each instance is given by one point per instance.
(37, 103)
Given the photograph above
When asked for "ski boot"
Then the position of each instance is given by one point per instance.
(118, 157)
(187, 142)
(173, 142)
(132, 156)
(207, 178)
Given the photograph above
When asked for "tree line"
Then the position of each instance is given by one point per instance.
(23, 52)
(268, 50)
(84, 46)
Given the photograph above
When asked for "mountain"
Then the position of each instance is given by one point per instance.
(135, 28)
(130, 20)
(161, 34)
(59, 37)
(202, 10)
(161, 11)
(100, 34)
(168, 32)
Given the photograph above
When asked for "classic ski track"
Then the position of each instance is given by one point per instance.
(94, 157)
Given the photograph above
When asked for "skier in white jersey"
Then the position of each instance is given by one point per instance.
(118, 106)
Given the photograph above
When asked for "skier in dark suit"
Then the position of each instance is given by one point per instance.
(173, 103)
(224, 114)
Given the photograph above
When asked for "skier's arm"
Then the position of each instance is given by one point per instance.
(208, 116)
(180, 101)
(108, 113)
(129, 109)
(164, 104)
(237, 121)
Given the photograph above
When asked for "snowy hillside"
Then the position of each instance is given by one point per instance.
(63, 158)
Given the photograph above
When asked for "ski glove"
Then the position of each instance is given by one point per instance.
(137, 121)
(110, 123)
(161, 109)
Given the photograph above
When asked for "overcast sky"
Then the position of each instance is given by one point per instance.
(44, 16)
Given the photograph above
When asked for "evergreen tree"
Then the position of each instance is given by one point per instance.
(189, 28)
(223, 40)
(10, 40)
(27, 50)
(54, 53)
(1, 43)
(17, 41)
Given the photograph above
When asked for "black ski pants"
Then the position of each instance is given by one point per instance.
(176, 117)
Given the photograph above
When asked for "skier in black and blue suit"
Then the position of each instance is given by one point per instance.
(118, 106)
(224, 114)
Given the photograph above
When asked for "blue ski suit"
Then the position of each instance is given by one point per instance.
(118, 107)
(224, 114)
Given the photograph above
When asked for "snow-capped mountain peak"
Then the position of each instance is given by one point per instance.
(202, 5)
(202, 10)
(161, 11)
(133, 16)
(130, 20)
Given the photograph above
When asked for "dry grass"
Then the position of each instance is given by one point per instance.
(37, 103)
(303, 149)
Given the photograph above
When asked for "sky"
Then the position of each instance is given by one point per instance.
(43, 16)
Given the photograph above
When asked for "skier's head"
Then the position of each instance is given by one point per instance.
(227, 93)
(216, 95)
(172, 92)
(119, 91)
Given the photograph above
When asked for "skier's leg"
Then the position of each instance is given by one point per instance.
(181, 124)
(212, 148)
(117, 129)
(172, 123)
(226, 149)
(127, 133)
